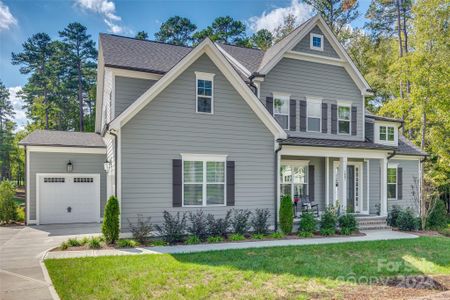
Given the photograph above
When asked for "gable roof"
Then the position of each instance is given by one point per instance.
(63, 139)
(209, 48)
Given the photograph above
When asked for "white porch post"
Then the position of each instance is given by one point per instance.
(278, 184)
(327, 181)
(383, 200)
(343, 182)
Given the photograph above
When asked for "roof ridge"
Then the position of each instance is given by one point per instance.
(145, 40)
(237, 46)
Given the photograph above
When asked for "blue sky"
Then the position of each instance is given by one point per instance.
(19, 19)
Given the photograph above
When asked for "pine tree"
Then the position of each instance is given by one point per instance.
(177, 31)
(225, 30)
(141, 35)
(6, 131)
(262, 39)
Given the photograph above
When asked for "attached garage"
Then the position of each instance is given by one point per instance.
(66, 180)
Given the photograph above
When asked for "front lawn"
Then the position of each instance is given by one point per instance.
(321, 271)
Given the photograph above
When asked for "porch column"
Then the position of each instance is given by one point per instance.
(343, 183)
(327, 181)
(383, 188)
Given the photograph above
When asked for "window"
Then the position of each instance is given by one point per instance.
(387, 133)
(316, 42)
(344, 119)
(281, 110)
(392, 182)
(205, 92)
(203, 181)
(314, 109)
(293, 180)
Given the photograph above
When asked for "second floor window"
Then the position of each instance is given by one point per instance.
(205, 92)
(281, 110)
(314, 108)
(387, 133)
(344, 119)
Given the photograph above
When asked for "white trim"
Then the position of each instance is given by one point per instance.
(224, 66)
(387, 125)
(28, 185)
(98, 190)
(206, 77)
(203, 157)
(360, 165)
(53, 149)
(333, 152)
(407, 157)
(118, 169)
(327, 181)
(314, 58)
(315, 101)
(367, 211)
(383, 198)
(284, 97)
(236, 63)
(295, 162)
(278, 184)
(311, 41)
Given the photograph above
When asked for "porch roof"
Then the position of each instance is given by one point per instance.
(301, 141)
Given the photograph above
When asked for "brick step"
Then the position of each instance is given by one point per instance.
(371, 222)
(374, 227)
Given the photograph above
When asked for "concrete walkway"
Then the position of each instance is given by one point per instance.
(21, 251)
(371, 235)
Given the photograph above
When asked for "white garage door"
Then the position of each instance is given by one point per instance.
(68, 198)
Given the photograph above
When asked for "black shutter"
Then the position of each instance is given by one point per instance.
(333, 118)
(354, 120)
(302, 115)
(269, 104)
(399, 183)
(177, 185)
(292, 115)
(311, 183)
(324, 118)
(230, 183)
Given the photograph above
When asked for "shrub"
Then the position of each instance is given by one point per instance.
(94, 243)
(218, 227)
(142, 229)
(393, 216)
(239, 222)
(84, 241)
(437, 219)
(237, 237)
(63, 246)
(20, 214)
(110, 226)
(198, 226)
(348, 224)
(8, 208)
(173, 227)
(258, 236)
(445, 232)
(260, 221)
(73, 242)
(307, 224)
(127, 243)
(407, 221)
(328, 222)
(286, 214)
(193, 239)
(215, 239)
(277, 235)
(158, 243)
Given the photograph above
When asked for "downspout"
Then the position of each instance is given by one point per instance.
(392, 155)
(116, 141)
(26, 184)
(276, 186)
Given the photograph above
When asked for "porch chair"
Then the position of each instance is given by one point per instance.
(308, 206)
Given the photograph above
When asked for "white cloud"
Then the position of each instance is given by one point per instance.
(20, 117)
(105, 8)
(272, 19)
(6, 18)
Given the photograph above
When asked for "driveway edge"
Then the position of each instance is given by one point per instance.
(47, 278)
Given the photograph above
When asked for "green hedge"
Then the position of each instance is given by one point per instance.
(286, 214)
(110, 226)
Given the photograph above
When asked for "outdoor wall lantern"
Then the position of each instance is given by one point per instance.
(69, 167)
(107, 166)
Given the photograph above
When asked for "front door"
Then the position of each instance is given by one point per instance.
(354, 184)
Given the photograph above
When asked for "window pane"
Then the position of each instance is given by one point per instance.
(344, 127)
(282, 120)
(193, 171)
(392, 191)
(299, 191)
(285, 189)
(193, 194)
(314, 109)
(314, 124)
(215, 193)
(280, 106)
(286, 174)
(390, 133)
(344, 113)
(317, 41)
(382, 133)
(299, 174)
(392, 175)
(215, 171)
(204, 105)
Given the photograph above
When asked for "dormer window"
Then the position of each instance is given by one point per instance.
(204, 92)
(387, 133)
(316, 41)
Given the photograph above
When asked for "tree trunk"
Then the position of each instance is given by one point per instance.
(424, 129)
(80, 97)
(399, 31)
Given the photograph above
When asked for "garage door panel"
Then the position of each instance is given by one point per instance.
(68, 198)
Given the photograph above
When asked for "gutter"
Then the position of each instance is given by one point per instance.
(276, 186)
(392, 155)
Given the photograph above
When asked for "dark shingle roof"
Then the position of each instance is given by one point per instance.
(63, 139)
(140, 55)
(406, 147)
(250, 58)
(381, 118)
(300, 141)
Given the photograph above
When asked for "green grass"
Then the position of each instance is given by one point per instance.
(278, 272)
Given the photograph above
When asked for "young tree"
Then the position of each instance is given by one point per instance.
(176, 30)
(225, 30)
(141, 35)
(81, 56)
(262, 39)
(287, 27)
(6, 131)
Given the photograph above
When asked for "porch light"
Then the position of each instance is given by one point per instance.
(107, 166)
(69, 167)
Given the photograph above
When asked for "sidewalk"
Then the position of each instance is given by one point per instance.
(371, 235)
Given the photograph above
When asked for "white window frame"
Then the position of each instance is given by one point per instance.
(311, 44)
(349, 120)
(209, 77)
(392, 166)
(316, 101)
(293, 164)
(205, 158)
(387, 127)
(286, 97)
(377, 132)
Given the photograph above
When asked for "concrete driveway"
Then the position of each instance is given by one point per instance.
(21, 249)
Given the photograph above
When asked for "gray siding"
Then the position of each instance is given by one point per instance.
(375, 185)
(169, 126)
(46, 162)
(301, 79)
(410, 184)
(304, 45)
(127, 90)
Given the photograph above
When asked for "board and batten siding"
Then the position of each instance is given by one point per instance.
(410, 181)
(51, 162)
(169, 126)
(305, 46)
(127, 90)
(301, 79)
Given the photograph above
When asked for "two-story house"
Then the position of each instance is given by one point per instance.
(215, 127)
